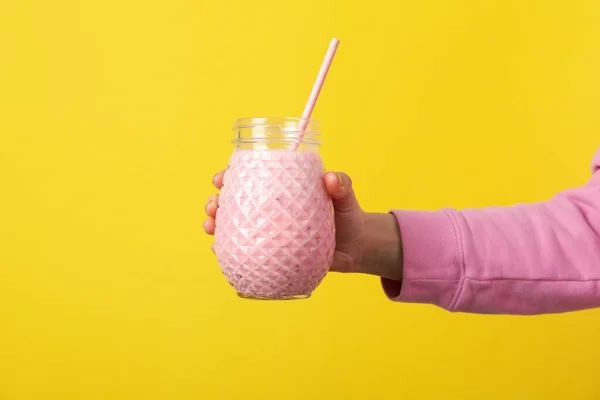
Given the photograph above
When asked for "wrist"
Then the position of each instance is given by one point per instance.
(382, 251)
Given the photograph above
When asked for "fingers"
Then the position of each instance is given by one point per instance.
(211, 211)
(339, 187)
(211, 205)
(209, 226)
(218, 179)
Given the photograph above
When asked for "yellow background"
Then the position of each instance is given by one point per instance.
(114, 115)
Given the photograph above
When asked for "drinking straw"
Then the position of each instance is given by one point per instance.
(314, 94)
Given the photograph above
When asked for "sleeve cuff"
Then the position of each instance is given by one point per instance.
(433, 266)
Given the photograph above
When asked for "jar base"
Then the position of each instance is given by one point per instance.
(258, 297)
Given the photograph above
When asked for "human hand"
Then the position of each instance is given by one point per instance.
(365, 242)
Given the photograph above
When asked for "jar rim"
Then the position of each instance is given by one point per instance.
(276, 132)
(251, 122)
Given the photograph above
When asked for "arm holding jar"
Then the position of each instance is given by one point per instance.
(523, 259)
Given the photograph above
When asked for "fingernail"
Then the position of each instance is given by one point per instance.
(340, 179)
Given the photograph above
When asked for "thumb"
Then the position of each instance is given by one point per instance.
(339, 187)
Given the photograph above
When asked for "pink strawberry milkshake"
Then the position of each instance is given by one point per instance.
(275, 228)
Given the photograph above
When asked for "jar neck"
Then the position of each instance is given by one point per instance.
(276, 133)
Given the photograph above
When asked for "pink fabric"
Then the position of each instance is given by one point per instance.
(525, 259)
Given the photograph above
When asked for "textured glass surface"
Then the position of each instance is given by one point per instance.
(275, 226)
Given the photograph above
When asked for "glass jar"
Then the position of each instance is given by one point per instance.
(274, 236)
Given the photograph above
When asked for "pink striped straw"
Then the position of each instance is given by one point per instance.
(314, 94)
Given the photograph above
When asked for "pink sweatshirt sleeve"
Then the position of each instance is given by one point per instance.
(525, 259)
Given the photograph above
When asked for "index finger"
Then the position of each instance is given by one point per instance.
(218, 179)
